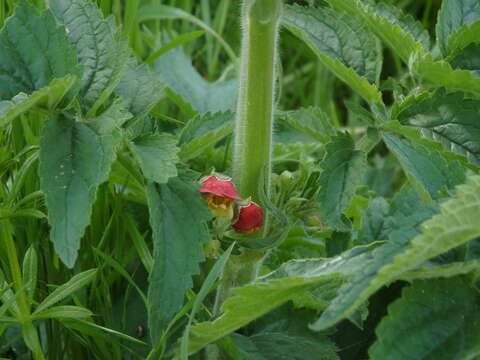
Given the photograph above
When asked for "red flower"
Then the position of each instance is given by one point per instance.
(250, 218)
(219, 193)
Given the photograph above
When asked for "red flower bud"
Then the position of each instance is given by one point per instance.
(250, 218)
(219, 193)
(221, 187)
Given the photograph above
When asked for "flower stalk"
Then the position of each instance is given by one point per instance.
(252, 148)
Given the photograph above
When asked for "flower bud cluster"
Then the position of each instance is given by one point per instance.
(223, 200)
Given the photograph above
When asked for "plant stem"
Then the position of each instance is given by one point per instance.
(255, 108)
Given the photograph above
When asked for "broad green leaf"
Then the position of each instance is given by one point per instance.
(468, 59)
(449, 119)
(343, 169)
(48, 97)
(188, 88)
(63, 312)
(433, 320)
(251, 301)
(100, 51)
(74, 160)
(407, 213)
(373, 226)
(177, 217)
(157, 154)
(400, 32)
(311, 121)
(63, 291)
(33, 52)
(248, 303)
(466, 35)
(452, 16)
(456, 224)
(341, 43)
(441, 74)
(207, 286)
(139, 88)
(204, 131)
(435, 173)
(276, 345)
(432, 270)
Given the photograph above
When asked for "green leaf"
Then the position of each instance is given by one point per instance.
(456, 224)
(74, 160)
(341, 43)
(29, 271)
(204, 131)
(207, 286)
(445, 325)
(48, 97)
(407, 213)
(33, 52)
(373, 226)
(461, 38)
(468, 59)
(275, 345)
(63, 312)
(432, 270)
(99, 49)
(157, 154)
(441, 74)
(434, 172)
(75, 283)
(450, 119)
(452, 16)
(188, 88)
(400, 32)
(311, 121)
(139, 88)
(343, 170)
(251, 301)
(177, 216)
(163, 12)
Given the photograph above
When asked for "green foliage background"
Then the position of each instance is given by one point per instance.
(110, 112)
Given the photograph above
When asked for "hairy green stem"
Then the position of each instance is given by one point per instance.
(252, 146)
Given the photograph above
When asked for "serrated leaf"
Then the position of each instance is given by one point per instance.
(157, 154)
(407, 213)
(139, 88)
(177, 216)
(74, 160)
(464, 36)
(446, 324)
(33, 52)
(99, 49)
(468, 59)
(436, 173)
(449, 119)
(340, 43)
(275, 345)
(343, 169)
(441, 74)
(311, 121)
(373, 222)
(188, 88)
(432, 270)
(48, 97)
(452, 16)
(204, 131)
(456, 224)
(251, 301)
(400, 32)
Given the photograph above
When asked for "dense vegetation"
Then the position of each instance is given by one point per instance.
(122, 236)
